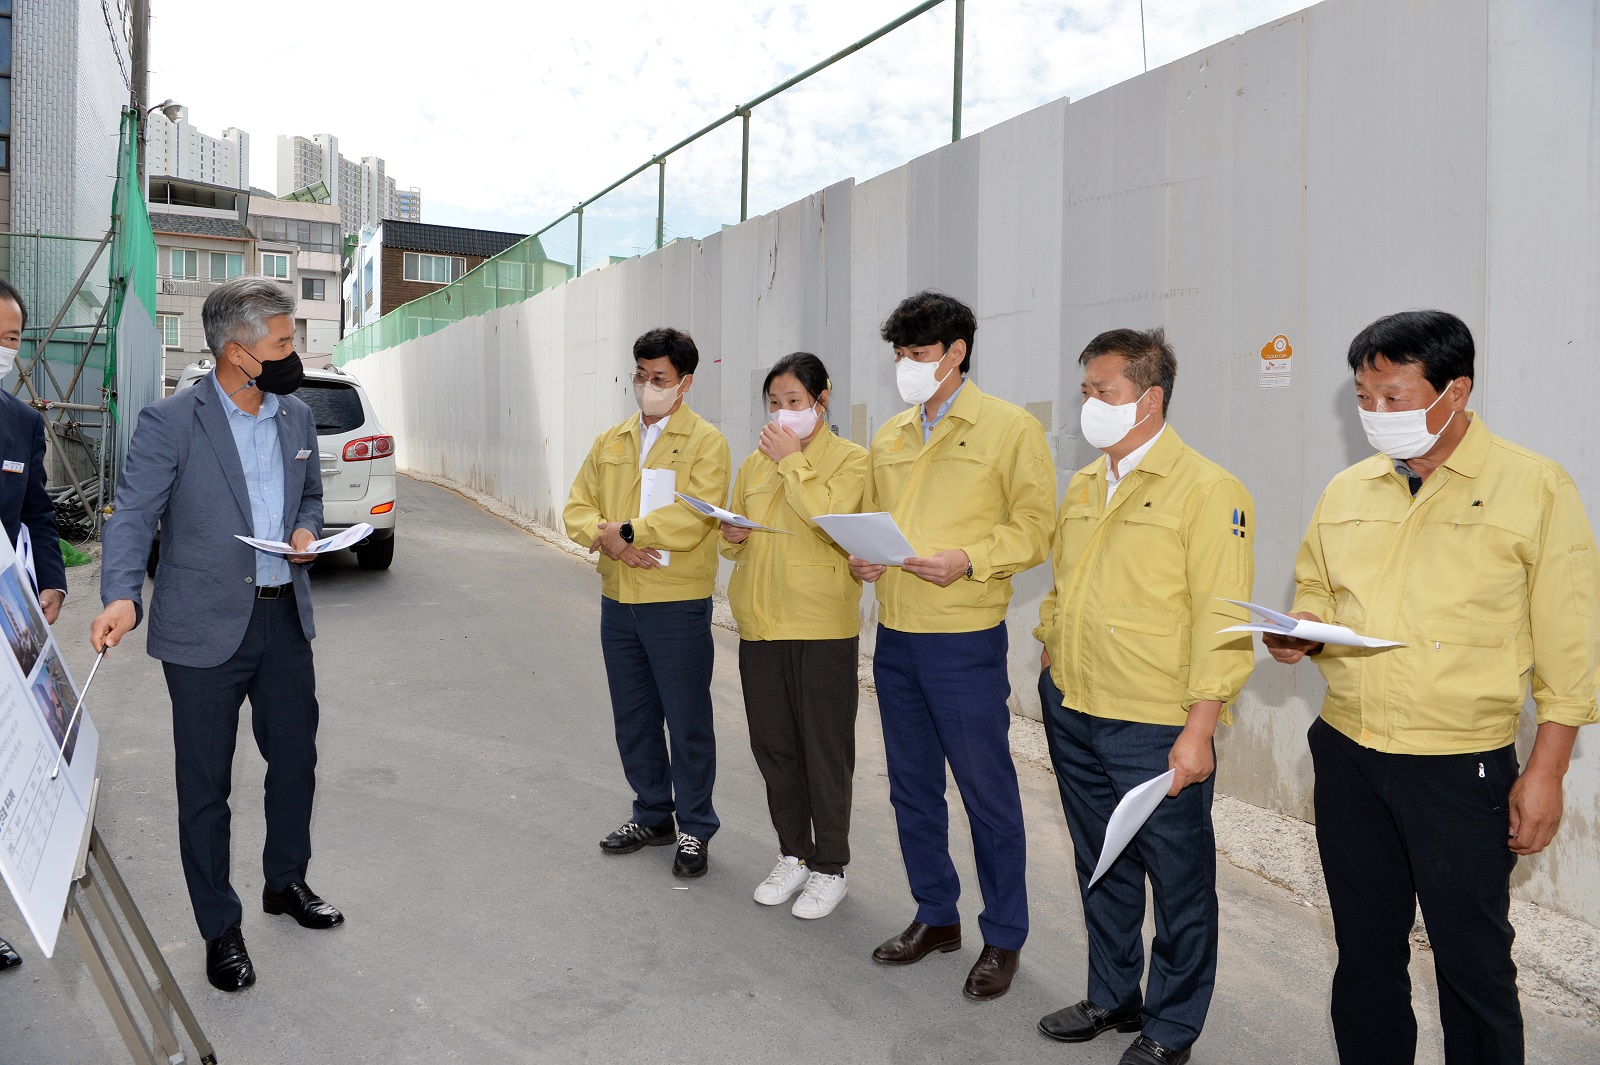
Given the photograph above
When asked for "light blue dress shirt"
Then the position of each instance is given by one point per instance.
(256, 437)
(938, 415)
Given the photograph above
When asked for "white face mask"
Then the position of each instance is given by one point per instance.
(1403, 434)
(655, 401)
(918, 381)
(801, 423)
(1105, 424)
(8, 358)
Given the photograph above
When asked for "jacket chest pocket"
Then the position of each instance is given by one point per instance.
(1356, 544)
(1489, 578)
(967, 475)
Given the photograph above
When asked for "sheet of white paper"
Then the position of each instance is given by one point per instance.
(712, 511)
(1315, 631)
(658, 488)
(874, 537)
(1129, 816)
(337, 542)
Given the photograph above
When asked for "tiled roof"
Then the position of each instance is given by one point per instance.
(192, 226)
(446, 240)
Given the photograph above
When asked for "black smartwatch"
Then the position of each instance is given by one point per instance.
(626, 532)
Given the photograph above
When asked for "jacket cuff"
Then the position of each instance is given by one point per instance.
(1575, 713)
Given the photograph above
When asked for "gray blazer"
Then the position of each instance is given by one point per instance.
(183, 473)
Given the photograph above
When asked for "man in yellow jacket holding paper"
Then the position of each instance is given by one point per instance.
(968, 478)
(658, 568)
(1136, 675)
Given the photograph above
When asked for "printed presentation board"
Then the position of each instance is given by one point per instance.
(42, 821)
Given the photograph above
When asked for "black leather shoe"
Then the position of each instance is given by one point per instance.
(9, 958)
(1081, 1023)
(991, 974)
(630, 836)
(228, 963)
(917, 942)
(300, 902)
(1143, 1051)
(692, 859)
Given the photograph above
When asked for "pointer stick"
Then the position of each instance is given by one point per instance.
(75, 711)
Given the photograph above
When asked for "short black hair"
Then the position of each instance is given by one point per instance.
(668, 343)
(1437, 341)
(8, 291)
(1148, 359)
(931, 317)
(806, 368)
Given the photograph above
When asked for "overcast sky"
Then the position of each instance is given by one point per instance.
(507, 112)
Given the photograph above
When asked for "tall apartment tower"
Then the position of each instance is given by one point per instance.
(364, 192)
(178, 149)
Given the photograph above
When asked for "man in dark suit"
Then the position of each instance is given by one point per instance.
(234, 454)
(23, 500)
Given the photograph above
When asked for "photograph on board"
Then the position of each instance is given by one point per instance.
(20, 618)
(53, 694)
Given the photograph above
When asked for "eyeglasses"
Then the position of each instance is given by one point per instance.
(645, 379)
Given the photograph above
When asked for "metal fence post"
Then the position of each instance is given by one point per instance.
(577, 270)
(744, 168)
(955, 102)
(661, 199)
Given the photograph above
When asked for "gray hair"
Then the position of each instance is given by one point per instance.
(237, 311)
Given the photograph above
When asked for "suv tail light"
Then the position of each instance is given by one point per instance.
(369, 447)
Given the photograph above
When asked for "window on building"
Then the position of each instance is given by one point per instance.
(313, 288)
(170, 337)
(185, 263)
(508, 276)
(225, 265)
(438, 269)
(274, 264)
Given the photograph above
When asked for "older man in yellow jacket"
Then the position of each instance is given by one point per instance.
(1477, 556)
(1149, 542)
(969, 479)
(657, 573)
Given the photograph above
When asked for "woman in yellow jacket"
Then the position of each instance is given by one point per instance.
(798, 609)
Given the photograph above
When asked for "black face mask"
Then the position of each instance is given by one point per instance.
(280, 376)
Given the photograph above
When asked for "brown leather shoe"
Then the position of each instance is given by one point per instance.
(917, 942)
(991, 974)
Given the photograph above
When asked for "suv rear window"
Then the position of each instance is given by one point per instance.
(335, 405)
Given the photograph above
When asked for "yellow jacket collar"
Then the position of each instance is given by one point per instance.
(1158, 461)
(1467, 459)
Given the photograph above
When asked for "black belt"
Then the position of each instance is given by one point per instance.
(276, 591)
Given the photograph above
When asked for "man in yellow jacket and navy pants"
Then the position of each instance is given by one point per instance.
(1136, 676)
(657, 574)
(1476, 555)
(969, 480)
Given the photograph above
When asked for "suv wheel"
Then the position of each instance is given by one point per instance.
(375, 554)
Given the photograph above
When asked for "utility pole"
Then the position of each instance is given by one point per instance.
(139, 55)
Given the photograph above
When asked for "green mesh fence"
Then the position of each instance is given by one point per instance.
(521, 271)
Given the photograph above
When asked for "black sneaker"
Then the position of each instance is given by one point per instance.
(692, 859)
(631, 835)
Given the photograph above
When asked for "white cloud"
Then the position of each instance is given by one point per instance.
(507, 113)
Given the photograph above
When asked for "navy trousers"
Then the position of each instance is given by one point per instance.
(273, 667)
(1098, 761)
(658, 663)
(942, 697)
(1395, 831)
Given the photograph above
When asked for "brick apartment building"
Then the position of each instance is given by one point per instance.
(397, 262)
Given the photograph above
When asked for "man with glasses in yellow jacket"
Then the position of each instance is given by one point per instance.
(969, 480)
(1136, 675)
(1477, 556)
(657, 573)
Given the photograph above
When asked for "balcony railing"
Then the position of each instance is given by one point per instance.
(167, 285)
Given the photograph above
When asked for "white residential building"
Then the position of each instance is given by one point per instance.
(364, 192)
(178, 149)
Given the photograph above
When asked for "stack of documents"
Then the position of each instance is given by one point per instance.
(726, 516)
(873, 537)
(337, 542)
(1314, 631)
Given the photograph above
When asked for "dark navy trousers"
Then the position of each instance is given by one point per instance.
(942, 697)
(273, 667)
(1097, 761)
(658, 663)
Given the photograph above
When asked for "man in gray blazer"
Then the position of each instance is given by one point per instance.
(235, 454)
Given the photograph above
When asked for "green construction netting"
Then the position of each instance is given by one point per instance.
(521, 271)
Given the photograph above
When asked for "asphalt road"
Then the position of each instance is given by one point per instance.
(467, 772)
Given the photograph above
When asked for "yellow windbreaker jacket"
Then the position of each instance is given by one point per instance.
(607, 489)
(1132, 621)
(796, 587)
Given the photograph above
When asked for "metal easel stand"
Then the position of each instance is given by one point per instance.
(107, 895)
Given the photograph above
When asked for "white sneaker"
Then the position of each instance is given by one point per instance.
(823, 892)
(784, 880)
